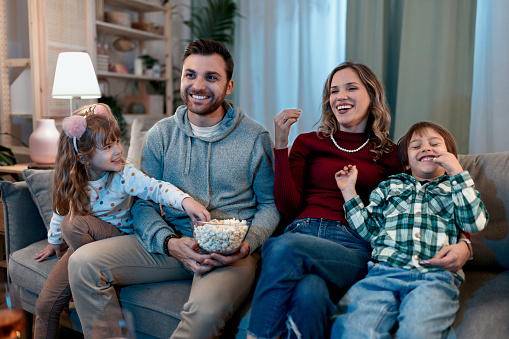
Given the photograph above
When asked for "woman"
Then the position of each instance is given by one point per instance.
(307, 269)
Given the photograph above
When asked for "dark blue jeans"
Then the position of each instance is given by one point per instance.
(298, 269)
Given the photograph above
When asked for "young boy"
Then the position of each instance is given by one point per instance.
(408, 219)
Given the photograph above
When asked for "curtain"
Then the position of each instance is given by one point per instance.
(423, 51)
(284, 51)
(490, 115)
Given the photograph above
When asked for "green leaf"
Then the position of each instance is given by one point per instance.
(216, 21)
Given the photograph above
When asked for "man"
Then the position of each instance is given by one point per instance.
(213, 152)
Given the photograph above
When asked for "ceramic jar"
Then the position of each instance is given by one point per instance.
(43, 142)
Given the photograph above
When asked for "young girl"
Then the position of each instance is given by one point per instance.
(92, 198)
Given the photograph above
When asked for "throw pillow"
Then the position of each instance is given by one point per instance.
(139, 129)
(40, 185)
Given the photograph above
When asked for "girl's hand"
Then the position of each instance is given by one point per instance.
(282, 124)
(48, 251)
(195, 210)
(449, 162)
(346, 179)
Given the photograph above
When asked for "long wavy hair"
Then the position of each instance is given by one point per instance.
(70, 193)
(379, 118)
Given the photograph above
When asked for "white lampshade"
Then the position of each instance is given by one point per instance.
(75, 77)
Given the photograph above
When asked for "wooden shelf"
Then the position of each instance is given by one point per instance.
(136, 5)
(139, 8)
(13, 169)
(127, 32)
(130, 76)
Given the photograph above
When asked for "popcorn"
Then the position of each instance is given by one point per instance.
(220, 236)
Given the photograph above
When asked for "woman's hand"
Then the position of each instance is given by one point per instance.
(451, 257)
(282, 124)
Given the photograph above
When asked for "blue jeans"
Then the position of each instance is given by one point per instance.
(423, 304)
(299, 268)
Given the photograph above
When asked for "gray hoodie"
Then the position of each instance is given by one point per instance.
(230, 173)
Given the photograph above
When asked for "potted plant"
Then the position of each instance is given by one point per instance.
(117, 112)
(149, 63)
(215, 21)
(7, 157)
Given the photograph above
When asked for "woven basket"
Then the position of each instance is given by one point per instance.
(118, 18)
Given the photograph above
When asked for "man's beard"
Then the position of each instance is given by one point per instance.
(203, 109)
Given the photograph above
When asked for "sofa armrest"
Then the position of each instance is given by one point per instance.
(23, 223)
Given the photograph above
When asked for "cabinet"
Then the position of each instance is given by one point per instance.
(137, 10)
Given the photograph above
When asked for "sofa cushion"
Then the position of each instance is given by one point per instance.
(29, 274)
(19, 209)
(139, 129)
(484, 306)
(155, 307)
(40, 185)
(489, 172)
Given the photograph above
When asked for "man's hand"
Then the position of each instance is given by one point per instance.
(48, 251)
(186, 250)
(449, 162)
(219, 260)
(346, 179)
(451, 258)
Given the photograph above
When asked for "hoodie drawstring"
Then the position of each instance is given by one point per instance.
(187, 168)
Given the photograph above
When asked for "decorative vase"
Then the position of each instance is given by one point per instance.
(43, 142)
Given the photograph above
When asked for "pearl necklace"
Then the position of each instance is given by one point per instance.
(348, 150)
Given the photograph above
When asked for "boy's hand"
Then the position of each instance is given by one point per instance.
(48, 251)
(346, 179)
(195, 210)
(449, 162)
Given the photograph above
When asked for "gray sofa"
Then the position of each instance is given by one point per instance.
(484, 300)
(27, 212)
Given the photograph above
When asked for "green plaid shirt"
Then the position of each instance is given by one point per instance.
(407, 221)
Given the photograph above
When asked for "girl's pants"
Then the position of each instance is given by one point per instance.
(299, 268)
(56, 292)
(423, 304)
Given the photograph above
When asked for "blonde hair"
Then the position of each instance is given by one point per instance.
(379, 118)
(70, 193)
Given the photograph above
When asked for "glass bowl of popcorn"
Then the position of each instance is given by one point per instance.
(220, 236)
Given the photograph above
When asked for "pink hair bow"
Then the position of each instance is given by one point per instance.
(74, 127)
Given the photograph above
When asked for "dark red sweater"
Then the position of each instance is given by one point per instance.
(304, 184)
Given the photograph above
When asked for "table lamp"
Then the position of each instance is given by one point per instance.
(75, 77)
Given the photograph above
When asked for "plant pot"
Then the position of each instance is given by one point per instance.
(43, 142)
